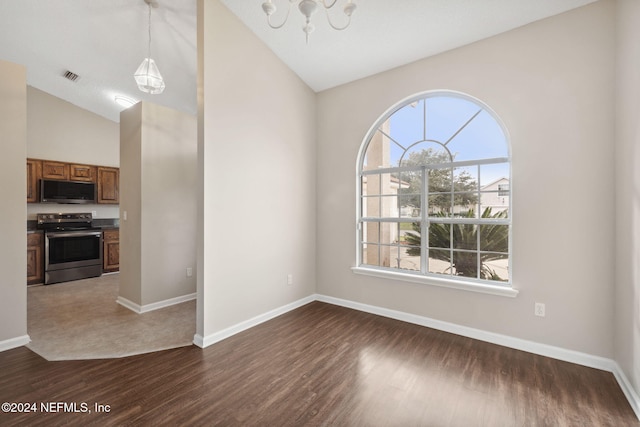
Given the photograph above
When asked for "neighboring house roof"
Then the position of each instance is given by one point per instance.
(492, 183)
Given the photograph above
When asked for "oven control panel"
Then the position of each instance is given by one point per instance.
(52, 218)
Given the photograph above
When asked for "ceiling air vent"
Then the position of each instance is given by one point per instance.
(69, 75)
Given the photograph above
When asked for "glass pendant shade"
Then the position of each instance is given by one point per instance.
(148, 77)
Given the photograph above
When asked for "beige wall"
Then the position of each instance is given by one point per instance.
(13, 261)
(131, 201)
(158, 238)
(58, 130)
(256, 144)
(551, 82)
(627, 267)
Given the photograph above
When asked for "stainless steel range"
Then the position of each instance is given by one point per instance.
(72, 247)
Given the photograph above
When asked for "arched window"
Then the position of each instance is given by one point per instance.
(434, 192)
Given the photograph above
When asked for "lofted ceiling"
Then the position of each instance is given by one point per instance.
(104, 41)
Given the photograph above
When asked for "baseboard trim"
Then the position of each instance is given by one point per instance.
(553, 352)
(154, 306)
(14, 342)
(465, 331)
(627, 389)
(206, 341)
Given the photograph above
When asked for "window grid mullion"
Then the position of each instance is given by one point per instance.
(478, 215)
(424, 222)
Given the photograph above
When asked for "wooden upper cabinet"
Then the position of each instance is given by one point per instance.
(108, 185)
(55, 170)
(107, 179)
(34, 173)
(85, 173)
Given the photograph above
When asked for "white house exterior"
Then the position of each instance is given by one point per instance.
(495, 195)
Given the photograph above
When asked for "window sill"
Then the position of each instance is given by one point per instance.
(503, 291)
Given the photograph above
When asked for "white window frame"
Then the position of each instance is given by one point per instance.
(422, 276)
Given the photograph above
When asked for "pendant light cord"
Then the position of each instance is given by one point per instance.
(149, 47)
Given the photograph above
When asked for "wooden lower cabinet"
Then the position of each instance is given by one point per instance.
(111, 250)
(35, 262)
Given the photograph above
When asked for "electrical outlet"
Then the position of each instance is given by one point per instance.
(290, 279)
(94, 214)
(189, 271)
(539, 309)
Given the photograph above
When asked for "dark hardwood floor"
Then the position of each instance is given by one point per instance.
(318, 365)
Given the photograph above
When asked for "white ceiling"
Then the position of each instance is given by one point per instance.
(104, 41)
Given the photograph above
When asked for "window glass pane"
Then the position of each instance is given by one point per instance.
(465, 236)
(371, 232)
(440, 205)
(388, 184)
(389, 207)
(440, 180)
(482, 138)
(407, 206)
(439, 235)
(465, 263)
(465, 205)
(380, 207)
(394, 257)
(410, 258)
(494, 238)
(426, 153)
(495, 202)
(440, 261)
(495, 267)
(378, 153)
(370, 254)
(371, 185)
(371, 207)
(410, 234)
(491, 173)
(388, 233)
(410, 187)
(465, 178)
(445, 116)
(407, 124)
(380, 184)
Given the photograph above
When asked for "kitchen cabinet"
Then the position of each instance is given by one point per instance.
(107, 179)
(55, 170)
(34, 173)
(108, 185)
(111, 250)
(35, 264)
(84, 173)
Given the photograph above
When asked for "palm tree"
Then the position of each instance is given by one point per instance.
(494, 244)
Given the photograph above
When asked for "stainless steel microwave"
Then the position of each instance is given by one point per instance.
(54, 191)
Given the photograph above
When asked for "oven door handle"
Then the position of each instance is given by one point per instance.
(74, 234)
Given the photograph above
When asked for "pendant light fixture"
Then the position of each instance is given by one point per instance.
(147, 75)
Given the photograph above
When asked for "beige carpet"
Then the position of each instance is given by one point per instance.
(81, 320)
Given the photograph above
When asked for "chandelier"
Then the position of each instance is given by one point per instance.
(307, 8)
(147, 75)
